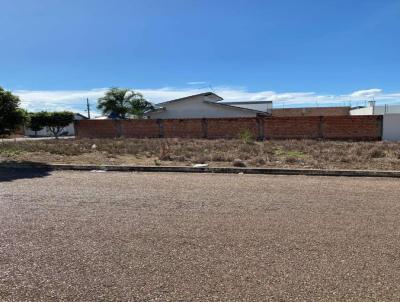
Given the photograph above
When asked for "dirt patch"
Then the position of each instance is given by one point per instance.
(164, 152)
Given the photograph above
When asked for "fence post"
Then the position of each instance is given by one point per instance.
(118, 127)
(204, 127)
(321, 127)
(260, 127)
(380, 121)
(160, 128)
(75, 128)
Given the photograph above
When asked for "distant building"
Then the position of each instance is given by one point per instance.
(372, 109)
(204, 105)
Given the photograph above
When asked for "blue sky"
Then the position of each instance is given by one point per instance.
(55, 53)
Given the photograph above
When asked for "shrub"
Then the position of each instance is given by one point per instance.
(246, 136)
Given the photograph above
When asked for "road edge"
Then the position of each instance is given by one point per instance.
(186, 169)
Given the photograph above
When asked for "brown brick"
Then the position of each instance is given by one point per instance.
(328, 127)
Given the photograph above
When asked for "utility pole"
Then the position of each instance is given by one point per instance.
(88, 108)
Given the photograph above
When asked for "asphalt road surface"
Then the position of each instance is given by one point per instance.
(81, 236)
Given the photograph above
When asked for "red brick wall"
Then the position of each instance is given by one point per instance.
(231, 127)
(139, 128)
(292, 127)
(116, 128)
(359, 127)
(95, 128)
(326, 127)
(188, 128)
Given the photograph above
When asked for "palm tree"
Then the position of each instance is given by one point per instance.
(123, 102)
(139, 106)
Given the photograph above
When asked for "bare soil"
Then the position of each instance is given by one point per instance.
(81, 236)
(276, 153)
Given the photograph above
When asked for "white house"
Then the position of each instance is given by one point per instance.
(204, 105)
(68, 131)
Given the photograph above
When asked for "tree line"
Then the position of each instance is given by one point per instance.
(117, 103)
(13, 117)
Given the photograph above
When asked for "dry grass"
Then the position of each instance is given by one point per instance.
(279, 153)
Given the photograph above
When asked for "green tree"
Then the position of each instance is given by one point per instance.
(120, 103)
(37, 121)
(11, 116)
(57, 121)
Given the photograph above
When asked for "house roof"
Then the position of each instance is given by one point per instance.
(81, 115)
(190, 96)
(156, 109)
(247, 102)
(236, 107)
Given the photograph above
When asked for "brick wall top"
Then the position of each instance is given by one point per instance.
(311, 111)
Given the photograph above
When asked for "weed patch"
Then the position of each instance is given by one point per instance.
(273, 153)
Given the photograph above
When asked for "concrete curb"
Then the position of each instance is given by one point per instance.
(185, 169)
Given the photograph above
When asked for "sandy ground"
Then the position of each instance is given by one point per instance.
(81, 236)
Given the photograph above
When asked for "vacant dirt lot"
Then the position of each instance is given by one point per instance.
(81, 236)
(275, 153)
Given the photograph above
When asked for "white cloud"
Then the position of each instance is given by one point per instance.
(75, 100)
(196, 83)
(369, 93)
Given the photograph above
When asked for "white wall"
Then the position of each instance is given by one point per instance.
(391, 127)
(361, 111)
(196, 108)
(45, 131)
(377, 110)
(389, 109)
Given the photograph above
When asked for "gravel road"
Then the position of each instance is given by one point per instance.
(81, 236)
